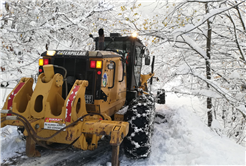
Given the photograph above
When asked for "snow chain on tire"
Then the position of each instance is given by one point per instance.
(140, 115)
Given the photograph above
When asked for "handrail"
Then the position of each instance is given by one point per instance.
(123, 74)
(113, 76)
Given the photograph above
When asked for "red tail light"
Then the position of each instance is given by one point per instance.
(93, 64)
(96, 64)
(46, 61)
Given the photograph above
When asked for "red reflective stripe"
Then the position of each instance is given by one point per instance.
(11, 97)
(69, 104)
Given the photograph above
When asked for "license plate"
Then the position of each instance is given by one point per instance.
(89, 99)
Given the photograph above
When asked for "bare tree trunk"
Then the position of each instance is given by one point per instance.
(208, 67)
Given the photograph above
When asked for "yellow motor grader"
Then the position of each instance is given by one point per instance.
(77, 97)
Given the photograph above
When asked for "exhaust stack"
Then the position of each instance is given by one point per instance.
(101, 39)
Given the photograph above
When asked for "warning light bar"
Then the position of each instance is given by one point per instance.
(42, 62)
(96, 64)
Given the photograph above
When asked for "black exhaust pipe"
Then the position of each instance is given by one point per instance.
(101, 39)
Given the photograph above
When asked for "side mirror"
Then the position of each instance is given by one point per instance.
(146, 52)
(142, 51)
(147, 60)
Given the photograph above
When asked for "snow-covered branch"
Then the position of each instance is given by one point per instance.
(188, 28)
(206, 1)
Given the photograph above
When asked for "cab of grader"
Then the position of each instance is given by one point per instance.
(77, 97)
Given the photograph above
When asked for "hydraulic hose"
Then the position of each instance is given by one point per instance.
(3, 119)
(47, 138)
(34, 135)
(40, 143)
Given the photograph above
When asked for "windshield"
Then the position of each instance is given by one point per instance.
(121, 47)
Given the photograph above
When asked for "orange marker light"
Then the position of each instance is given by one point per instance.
(99, 65)
(41, 62)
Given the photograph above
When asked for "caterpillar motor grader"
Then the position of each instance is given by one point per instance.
(99, 83)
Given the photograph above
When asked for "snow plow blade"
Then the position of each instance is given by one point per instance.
(48, 118)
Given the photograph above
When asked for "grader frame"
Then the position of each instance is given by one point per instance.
(74, 124)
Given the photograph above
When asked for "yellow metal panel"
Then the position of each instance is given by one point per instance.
(118, 117)
(115, 96)
(21, 98)
(76, 102)
(44, 99)
(46, 103)
(48, 73)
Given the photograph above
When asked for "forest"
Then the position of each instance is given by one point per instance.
(199, 44)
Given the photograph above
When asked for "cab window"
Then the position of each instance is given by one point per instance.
(137, 64)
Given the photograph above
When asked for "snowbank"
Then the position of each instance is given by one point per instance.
(185, 140)
(10, 140)
(11, 143)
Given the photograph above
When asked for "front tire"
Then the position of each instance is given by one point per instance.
(140, 115)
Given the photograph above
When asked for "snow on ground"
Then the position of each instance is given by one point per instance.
(11, 143)
(186, 140)
(183, 140)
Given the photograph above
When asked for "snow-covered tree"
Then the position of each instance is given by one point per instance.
(29, 28)
(202, 44)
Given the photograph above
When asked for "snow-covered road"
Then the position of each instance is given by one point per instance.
(183, 139)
